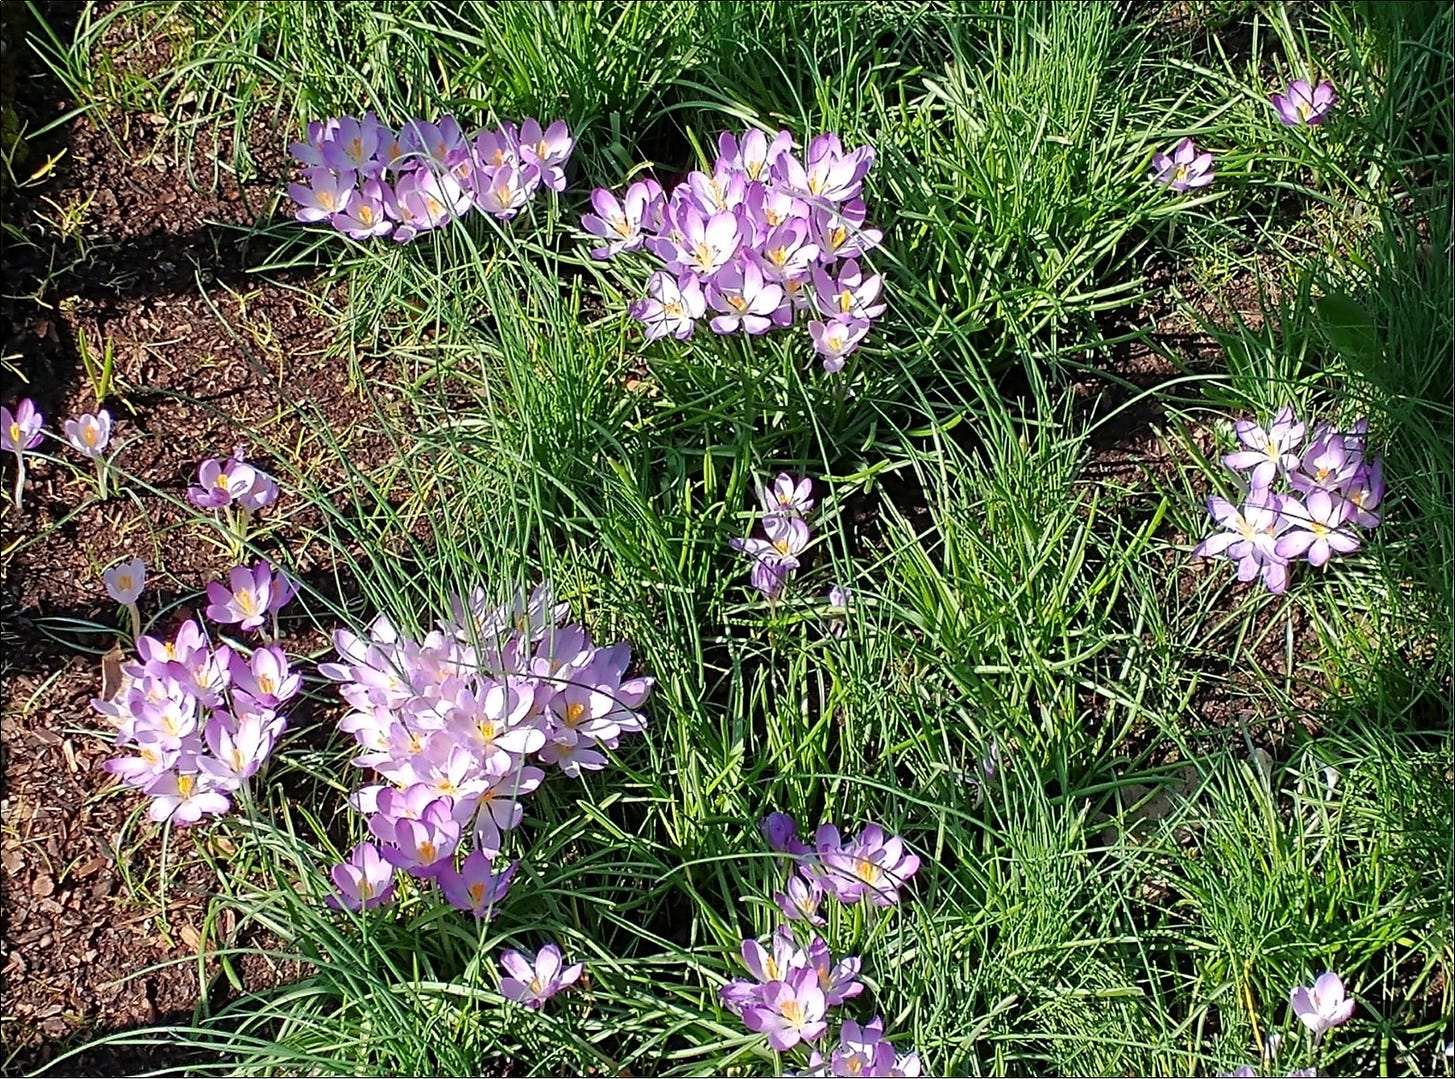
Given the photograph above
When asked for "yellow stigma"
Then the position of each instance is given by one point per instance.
(244, 600)
(356, 148)
(123, 582)
(739, 303)
(477, 891)
(427, 851)
(1181, 172)
(778, 256)
(503, 194)
(815, 183)
(542, 150)
(846, 300)
(574, 713)
(265, 683)
(772, 218)
(15, 433)
(793, 1011)
(781, 546)
(674, 309)
(771, 968)
(620, 226)
(837, 237)
(326, 199)
(236, 757)
(366, 214)
(753, 168)
(366, 890)
(89, 435)
(703, 255)
(487, 730)
(866, 870)
(185, 785)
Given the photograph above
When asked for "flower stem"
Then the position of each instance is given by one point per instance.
(19, 478)
(101, 478)
(136, 622)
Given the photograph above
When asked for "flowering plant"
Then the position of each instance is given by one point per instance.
(367, 180)
(760, 239)
(1295, 505)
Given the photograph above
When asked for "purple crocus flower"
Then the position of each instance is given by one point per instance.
(1250, 538)
(842, 233)
(673, 306)
(185, 798)
(248, 597)
(364, 880)
(363, 216)
(707, 244)
(353, 144)
(124, 583)
(780, 831)
(21, 431)
(1328, 464)
(746, 300)
(785, 253)
(839, 981)
(323, 193)
(476, 887)
(836, 339)
(1315, 528)
(789, 1011)
(533, 981)
(753, 155)
(1300, 105)
(421, 846)
(1364, 492)
(1269, 453)
(547, 150)
(786, 496)
(220, 482)
(89, 434)
(620, 224)
(862, 1051)
(872, 867)
(1184, 170)
(1323, 1005)
(800, 900)
(849, 295)
(501, 191)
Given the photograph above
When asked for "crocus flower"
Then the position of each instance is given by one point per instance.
(620, 223)
(364, 880)
(1300, 105)
(547, 151)
(536, 980)
(786, 496)
(363, 216)
(1184, 170)
(475, 887)
(1316, 528)
(502, 191)
(220, 482)
(800, 900)
(1322, 1006)
(323, 193)
(1250, 538)
(352, 145)
(1269, 453)
(246, 599)
(780, 831)
(673, 306)
(185, 798)
(20, 432)
(746, 301)
(836, 339)
(1364, 492)
(789, 1011)
(872, 867)
(1328, 464)
(421, 846)
(124, 584)
(89, 434)
(708, 242)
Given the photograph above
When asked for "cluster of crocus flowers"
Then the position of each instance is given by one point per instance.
(200, 718)
(794, 983)
(1302, 498)
(786, 502)
(457, 724)
(235, 488)
(762, 238)
(250, 597)
(367, 180)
